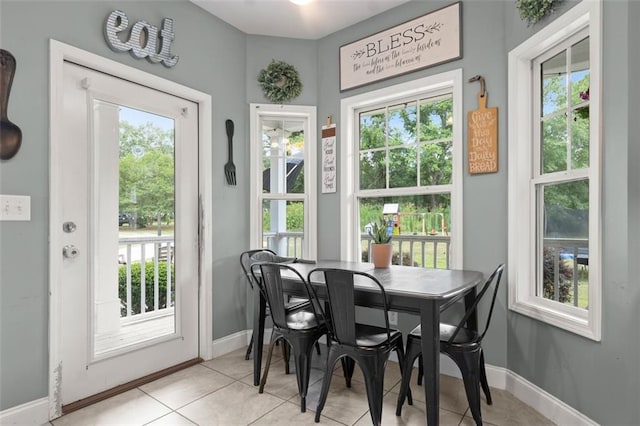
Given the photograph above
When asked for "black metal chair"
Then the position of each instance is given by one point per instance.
(462, 345)
(301, 328)
(250, 257)
(369, 346)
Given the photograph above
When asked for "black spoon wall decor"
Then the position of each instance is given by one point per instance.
(10, 134)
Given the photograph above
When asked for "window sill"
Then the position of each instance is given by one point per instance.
(578, 322)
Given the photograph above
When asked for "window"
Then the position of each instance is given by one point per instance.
(554, 173)
(401, 158)
(283, 179)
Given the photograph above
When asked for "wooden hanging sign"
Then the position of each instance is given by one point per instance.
(329, 157)
(482, 135)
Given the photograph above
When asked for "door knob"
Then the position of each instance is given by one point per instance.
(70, 251)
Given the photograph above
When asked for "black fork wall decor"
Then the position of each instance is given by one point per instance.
(230, 168)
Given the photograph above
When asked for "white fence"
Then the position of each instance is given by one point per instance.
(142, 251)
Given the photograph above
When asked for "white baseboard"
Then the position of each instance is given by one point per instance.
(496, 376)
(235, 341)
(535, 397)
(547, 404)
(31, 413)
(267, 336)
(230, 343)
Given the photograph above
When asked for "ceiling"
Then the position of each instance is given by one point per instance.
(282, 18)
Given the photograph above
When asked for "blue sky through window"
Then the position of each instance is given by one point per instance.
(136, 117)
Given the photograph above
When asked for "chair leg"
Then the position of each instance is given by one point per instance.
(413, 352)
(403, 367)
(373, 371)
(248, 354)
(420, 371)
(469, 364)
(274, 339)
(286, 355)
(483, 379)
(348, 367)
(318, 348)
(326, 382)
(302, 352)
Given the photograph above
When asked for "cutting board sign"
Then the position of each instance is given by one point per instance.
(482, 138)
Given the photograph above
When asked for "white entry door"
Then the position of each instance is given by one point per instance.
(128, 199)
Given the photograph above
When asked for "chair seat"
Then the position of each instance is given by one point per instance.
(371, 336)
(295, 304)
(303, 320)
(464, 336)
(294, 300)
(291, 306)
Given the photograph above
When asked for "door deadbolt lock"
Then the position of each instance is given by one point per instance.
(70, 252)
(68, 227)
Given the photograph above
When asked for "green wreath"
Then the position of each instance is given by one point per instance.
(280, 82)
(534, 10)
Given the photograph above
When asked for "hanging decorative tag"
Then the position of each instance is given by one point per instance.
(329, 157)
(482, 135)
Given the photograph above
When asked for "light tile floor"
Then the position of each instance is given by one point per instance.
(220, 392)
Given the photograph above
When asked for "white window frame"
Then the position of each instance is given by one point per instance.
(451, 82)
(256, 196)
(522, 262)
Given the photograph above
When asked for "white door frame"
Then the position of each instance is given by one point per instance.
(58, 53)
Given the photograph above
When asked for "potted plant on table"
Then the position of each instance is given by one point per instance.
(381, 248)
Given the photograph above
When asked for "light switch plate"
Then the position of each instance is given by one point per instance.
(393, 318)
(15, 207)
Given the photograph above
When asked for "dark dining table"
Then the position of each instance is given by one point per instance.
(421, 291)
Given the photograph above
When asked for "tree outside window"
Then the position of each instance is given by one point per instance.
(564, 194)
(406, 158)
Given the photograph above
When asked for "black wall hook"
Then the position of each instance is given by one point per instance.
(482, 86)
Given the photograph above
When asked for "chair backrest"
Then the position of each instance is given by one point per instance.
(494, 278)
(250, 257)
(340, 294)
(270, 283)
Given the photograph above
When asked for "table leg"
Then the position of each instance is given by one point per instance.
(430, 325)
(260, 306)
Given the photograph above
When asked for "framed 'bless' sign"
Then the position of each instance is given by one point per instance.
(423, 42)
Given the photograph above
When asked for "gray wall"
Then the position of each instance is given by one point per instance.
(212, 60)
(602, 379)
(302, 54)
(485, 197)
(633, 345)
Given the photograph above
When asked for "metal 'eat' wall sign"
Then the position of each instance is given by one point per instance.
(143, 39)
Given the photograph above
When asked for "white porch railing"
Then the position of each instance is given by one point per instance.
(428, 251)
(142, 251)
(565, 253)
(291, 241)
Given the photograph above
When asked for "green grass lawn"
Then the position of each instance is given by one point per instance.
(583, 285)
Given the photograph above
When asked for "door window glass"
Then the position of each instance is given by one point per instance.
(142, 148)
